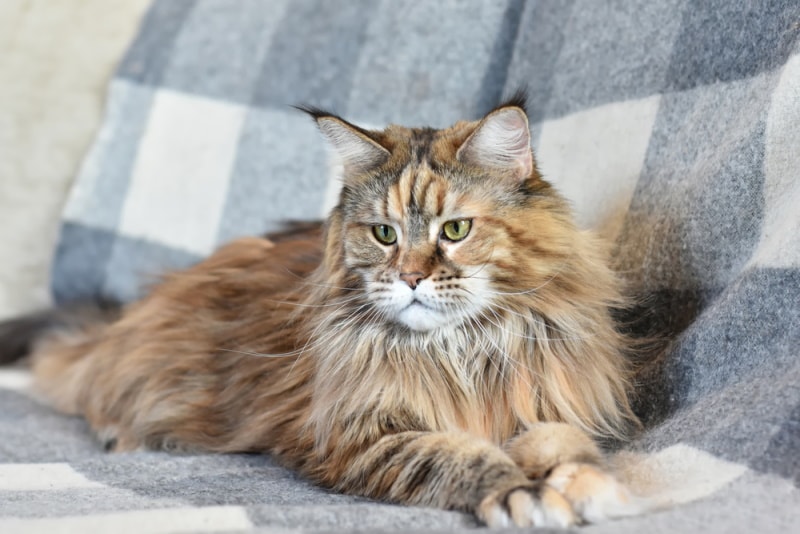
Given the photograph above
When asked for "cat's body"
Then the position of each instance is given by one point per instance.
(445, 339)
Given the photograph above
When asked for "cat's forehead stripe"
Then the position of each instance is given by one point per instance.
(417, 193)
(425, 180)
(394, 199)
(416, 186)
(405, 188)
(384, 210)
(412, 184)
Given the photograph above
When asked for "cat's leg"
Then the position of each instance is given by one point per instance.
(566, 460)
(542, 447)
(453, 471)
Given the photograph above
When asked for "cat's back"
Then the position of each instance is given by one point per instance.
(201, 350)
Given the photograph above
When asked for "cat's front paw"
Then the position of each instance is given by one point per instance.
(573, 493)
(594, 494)
(566, 460)
(537, 505)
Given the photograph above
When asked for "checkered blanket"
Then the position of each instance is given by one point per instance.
(672, 126)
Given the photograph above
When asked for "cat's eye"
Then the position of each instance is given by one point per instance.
(384, 234)
(456, 230)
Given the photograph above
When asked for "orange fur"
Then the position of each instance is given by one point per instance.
(290, 346)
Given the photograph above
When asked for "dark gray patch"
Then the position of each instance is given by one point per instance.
(280, 174)
(219, 49)
(206, 480)
(80, 262)
(34, 433)
(614, 52)
(782, 455)
(746, 330)
(541, 36)
(55, 503)
(314, 54)
(425, 62)
(496, 73)
(731, 378)
(248, 487)
(148, 57)
(735, 423)
(360, 517)
(722, 41)
(135, 264)
(695, 216)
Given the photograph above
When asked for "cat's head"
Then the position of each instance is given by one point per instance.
(441, 226)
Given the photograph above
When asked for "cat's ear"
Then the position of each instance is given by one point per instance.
(501, 142)
(357, 151)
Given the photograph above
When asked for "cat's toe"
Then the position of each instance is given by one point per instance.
(539, 506)
(594, 494)
(113, 440)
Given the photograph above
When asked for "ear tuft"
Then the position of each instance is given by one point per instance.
(358, 152)
(502, 142)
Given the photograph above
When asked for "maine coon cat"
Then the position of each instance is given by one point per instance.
(444, 339)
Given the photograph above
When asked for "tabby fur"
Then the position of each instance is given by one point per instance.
(482, 397)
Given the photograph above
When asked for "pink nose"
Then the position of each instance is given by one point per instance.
(412, 279)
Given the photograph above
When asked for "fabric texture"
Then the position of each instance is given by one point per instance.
(671, 126)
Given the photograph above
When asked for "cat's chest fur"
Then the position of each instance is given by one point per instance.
(451, 381)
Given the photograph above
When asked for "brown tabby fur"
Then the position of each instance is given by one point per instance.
(273, 345)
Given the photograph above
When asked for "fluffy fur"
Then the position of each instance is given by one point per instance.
(465, 374)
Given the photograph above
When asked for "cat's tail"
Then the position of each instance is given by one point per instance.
(57, 344)
(24, 336)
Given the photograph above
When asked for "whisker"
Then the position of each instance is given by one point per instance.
(529, 368)
(475, 274)
(307, 346)
(349, 320)
(526, 291)
(351, 315)
(508, 360)
(307, 282)
(304, 305)
(532, 317)
(516, 363)
(261, 354)
(313, 343)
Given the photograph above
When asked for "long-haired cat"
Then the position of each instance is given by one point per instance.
(444, 339)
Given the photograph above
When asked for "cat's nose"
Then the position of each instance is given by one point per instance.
(412, 279)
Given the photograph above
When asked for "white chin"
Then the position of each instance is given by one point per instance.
(420, 318)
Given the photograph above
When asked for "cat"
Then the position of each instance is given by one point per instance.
(446, 338)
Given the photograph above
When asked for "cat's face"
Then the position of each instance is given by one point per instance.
(434, 221)
(423, 250)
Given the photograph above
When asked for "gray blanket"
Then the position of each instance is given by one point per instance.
(672, 126)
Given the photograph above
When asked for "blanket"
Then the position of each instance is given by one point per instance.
(673, 127)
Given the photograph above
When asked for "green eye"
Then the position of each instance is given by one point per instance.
(384, 234)
(456, 230)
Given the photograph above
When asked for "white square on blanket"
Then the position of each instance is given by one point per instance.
(179, 182)
(780, 231)
(594, 158)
